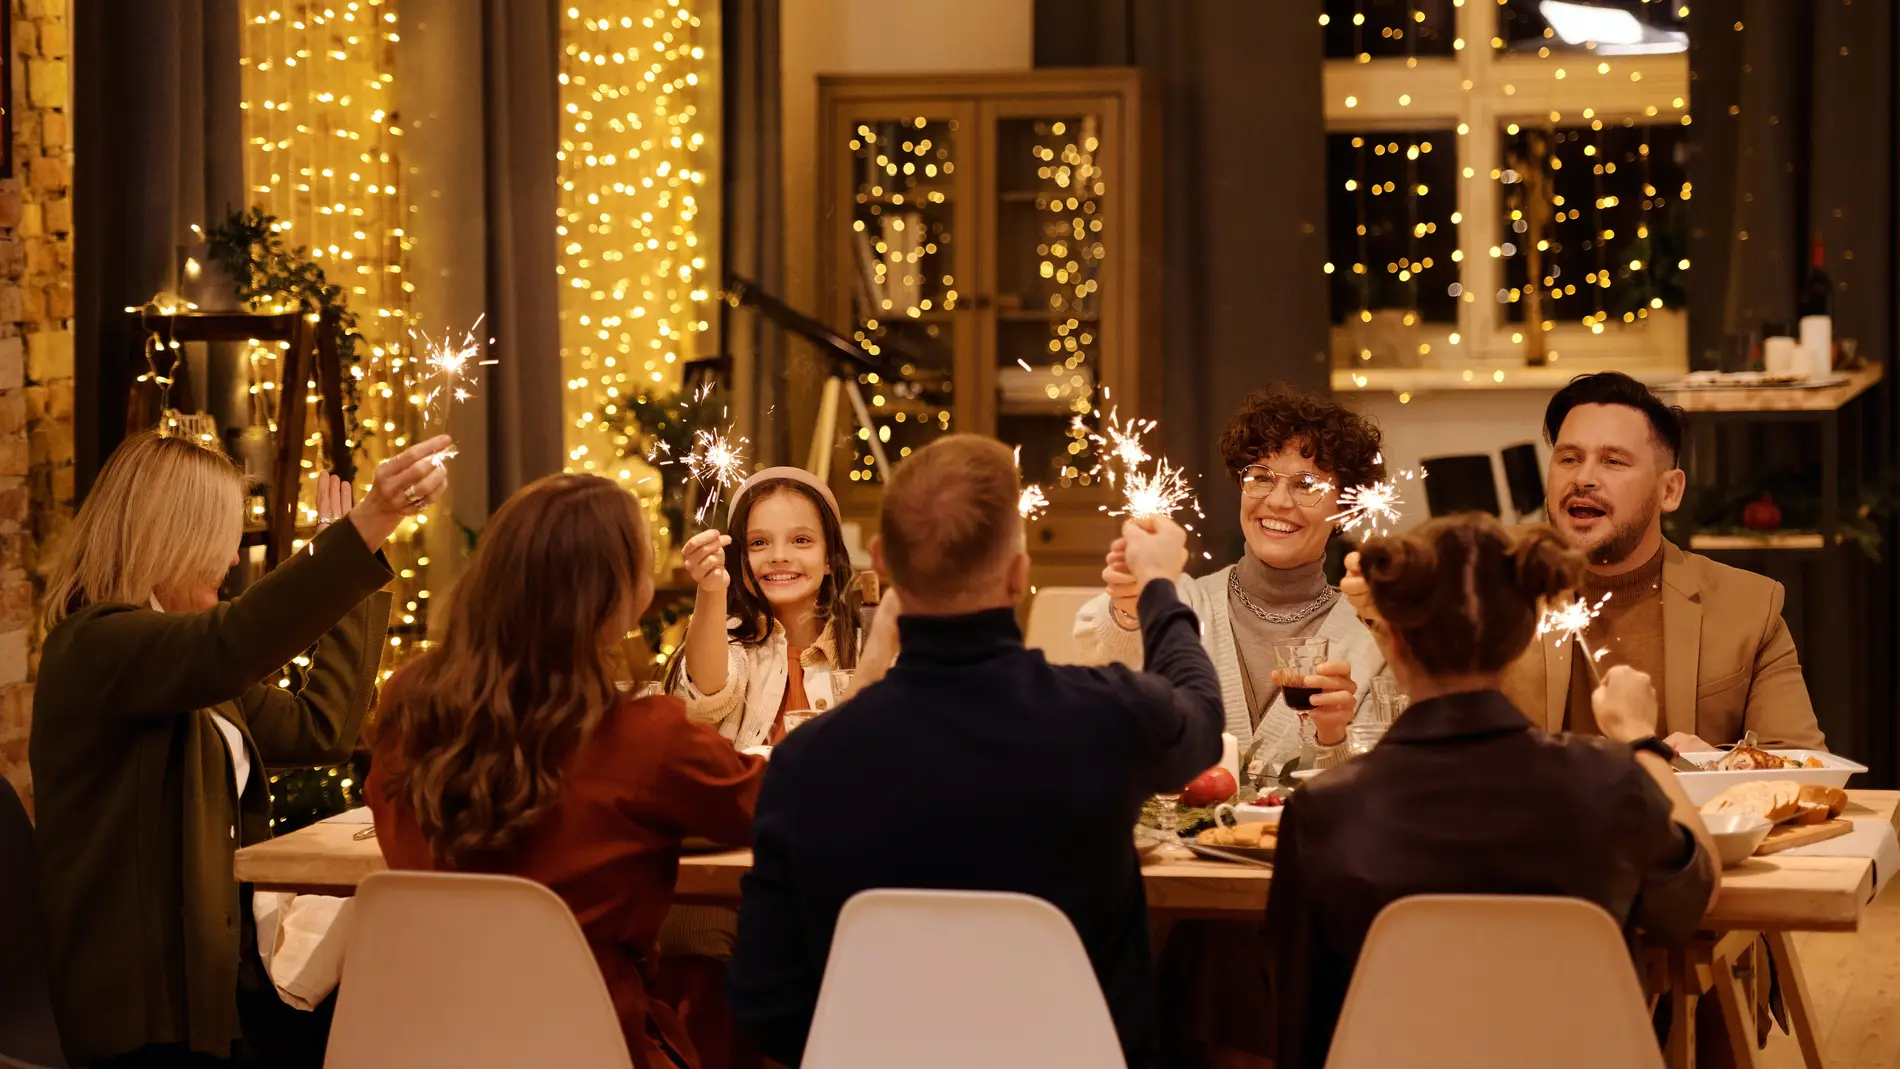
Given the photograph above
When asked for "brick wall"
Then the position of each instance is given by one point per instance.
(36, 352)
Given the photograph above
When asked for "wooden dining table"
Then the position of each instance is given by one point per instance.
(1761, 901)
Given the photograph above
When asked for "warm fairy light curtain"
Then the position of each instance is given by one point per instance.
(636, 222)
(323, 154)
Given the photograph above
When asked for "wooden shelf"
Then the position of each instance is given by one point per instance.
(1778, 540)
(1477, 376)
(1775, 398)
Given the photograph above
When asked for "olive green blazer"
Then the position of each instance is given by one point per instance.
(138, 813)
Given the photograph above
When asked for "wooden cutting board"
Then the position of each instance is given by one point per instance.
(1789, 836)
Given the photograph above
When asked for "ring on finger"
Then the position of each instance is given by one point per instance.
(409, 494)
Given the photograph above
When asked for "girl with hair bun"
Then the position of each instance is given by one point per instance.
(1464, 795)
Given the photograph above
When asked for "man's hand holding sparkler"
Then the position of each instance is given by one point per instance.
(404, 485)
(1153, 547)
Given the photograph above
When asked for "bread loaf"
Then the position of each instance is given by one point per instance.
(1833, 798)
(1811, 813)
(1775, 800)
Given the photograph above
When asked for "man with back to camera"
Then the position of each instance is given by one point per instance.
(1711, 635)
(1009, 773)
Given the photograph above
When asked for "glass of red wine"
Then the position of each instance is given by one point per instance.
(1299, 658)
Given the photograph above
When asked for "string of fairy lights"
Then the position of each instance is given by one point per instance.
(322, 153)
(1588, 201)
(635, 166)
(1070, 256)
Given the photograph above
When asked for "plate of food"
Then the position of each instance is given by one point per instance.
(1252, 842)
(1747, 763)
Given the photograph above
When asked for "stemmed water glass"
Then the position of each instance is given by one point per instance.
(1168, 822)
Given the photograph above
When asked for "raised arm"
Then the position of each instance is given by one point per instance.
(321, 721)
(1178, 699)
(704, 556)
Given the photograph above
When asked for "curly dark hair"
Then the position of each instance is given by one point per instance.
(1335, 438)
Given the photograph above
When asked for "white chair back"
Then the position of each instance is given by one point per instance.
(1051, 626)
(952, 979)
(1494, 982)
(471, 972)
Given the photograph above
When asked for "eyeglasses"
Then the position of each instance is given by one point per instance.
(1256, 480)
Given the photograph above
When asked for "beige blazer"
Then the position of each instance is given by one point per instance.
(1729, 662)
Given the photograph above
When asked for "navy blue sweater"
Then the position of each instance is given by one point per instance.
(975, 765)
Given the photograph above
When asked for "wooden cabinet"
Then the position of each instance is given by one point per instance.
(995, 239)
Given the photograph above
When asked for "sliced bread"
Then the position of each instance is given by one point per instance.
(1775, 800)
(1833, 797)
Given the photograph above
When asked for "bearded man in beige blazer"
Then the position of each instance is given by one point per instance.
(1711, 636)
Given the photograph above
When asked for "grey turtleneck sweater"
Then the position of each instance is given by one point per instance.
(1280, 592)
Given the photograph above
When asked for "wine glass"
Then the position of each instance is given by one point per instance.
(1299, 658)
(1168, 823)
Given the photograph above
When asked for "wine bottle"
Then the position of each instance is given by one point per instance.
(1817, 292)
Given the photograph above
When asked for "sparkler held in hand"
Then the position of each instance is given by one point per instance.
(1374, 506)
(446, 376)
(716, 462)
(1571, 620)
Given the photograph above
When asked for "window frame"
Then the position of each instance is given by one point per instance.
(1484, 88)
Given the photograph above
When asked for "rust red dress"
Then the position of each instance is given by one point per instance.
(647, 779)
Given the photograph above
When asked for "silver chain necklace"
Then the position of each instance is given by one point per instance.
(1324, 599)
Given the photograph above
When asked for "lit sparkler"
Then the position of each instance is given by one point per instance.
(1033, 502)
(1161, 492)
(1374, 506)
(1571, 620)
(1118, 443)
(716, 462)
(447, 375)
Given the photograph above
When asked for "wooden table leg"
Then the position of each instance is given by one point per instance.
(1737, 1001)
(1794, 990)
(1679, 1052)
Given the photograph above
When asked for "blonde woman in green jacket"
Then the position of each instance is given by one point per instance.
(154, 721)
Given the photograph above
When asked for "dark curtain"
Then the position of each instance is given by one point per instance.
(1244, 299)
(156, 146)
(752, 244)
(1794, 140)
(524, 391)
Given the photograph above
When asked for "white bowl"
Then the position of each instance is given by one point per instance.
(1257, 814)
(1304, 774)
(1835, 771)
(1736, 835)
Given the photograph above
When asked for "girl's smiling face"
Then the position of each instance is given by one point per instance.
(785, 550)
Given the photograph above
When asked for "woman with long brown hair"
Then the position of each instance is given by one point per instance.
(1464, 795)
(508, 748)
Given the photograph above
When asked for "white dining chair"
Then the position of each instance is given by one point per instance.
(1051, 626)
(952, 979)
(470, 972)
(1494, 982)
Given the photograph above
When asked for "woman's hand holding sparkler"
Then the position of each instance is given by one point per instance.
(1359, 594)
(404, 485)
(1625, 704)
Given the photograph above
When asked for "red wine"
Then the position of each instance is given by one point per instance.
(1299, 697)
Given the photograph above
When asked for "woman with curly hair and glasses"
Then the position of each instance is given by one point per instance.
(1292, 453)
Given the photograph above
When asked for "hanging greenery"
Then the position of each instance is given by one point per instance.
(249, 246)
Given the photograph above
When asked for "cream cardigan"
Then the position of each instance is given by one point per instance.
(1103, 641)
(745, 709)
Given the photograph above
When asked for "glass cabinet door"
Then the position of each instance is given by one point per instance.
(903, 258)
(1047, 272)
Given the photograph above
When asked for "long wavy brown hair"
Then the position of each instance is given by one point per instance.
(486, 721)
